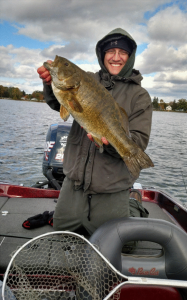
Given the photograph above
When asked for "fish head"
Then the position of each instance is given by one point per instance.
(64, 74)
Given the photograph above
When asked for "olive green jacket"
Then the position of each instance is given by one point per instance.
(83, 163)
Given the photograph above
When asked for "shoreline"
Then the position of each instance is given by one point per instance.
(25, 100)
(43, 101)
(171, 111)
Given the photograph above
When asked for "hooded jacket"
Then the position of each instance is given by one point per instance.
(106, 172)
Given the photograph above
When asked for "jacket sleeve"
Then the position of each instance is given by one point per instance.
(140, 121)
(50, 97)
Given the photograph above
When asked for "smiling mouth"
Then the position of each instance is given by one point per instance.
(116, 65)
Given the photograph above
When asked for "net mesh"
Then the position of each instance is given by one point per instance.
(60, 266)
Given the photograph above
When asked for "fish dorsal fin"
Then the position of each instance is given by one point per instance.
(64, 114)
(125, 121)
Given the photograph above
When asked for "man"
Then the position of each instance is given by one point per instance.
(96, 187)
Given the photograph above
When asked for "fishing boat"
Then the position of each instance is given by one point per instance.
(128, 258)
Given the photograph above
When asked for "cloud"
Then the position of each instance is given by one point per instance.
(6, 67)
(75, 26)
(89, 67)
(161, 57)
(73, 51)
(76, 20)
(19, 66)
(165, 58)
(167, 86)
(169, 26)
(18, 62)
(177, 77)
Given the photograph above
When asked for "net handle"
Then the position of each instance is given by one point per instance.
(148, 281)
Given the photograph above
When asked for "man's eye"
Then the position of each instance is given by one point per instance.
(110, 51)
(123, 53)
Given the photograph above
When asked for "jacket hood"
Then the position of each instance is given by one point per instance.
(117, 34)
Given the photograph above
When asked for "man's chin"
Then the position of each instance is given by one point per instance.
(114, 70)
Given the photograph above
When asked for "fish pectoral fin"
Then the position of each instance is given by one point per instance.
(124, 121)
(137, 162)
(64, 113)
(74, 104)
(99, 143)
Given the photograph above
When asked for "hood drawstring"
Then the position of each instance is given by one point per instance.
(89, 206)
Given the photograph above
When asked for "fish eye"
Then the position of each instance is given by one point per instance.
(66, 64)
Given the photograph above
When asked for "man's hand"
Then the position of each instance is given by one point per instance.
(104, 140)
(44, 74)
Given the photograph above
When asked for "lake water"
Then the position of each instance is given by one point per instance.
(23, 128)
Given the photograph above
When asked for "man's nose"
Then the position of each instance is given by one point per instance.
(116, 56)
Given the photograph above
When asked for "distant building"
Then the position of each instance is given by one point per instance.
(161, 104)
(34, 99)
(169, 108)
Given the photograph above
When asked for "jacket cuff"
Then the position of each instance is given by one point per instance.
(50, 97)
(111, 150)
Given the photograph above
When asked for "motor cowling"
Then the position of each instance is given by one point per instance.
(52, 166)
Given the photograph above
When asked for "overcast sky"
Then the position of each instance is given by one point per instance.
(32, 31)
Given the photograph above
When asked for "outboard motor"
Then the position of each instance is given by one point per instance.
(52, 166)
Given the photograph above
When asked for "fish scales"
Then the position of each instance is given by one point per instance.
(93, 107)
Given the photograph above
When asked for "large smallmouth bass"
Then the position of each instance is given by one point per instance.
(92, 106)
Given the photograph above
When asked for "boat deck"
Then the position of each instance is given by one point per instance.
(19, 210)
(155, 212)
(14, 211)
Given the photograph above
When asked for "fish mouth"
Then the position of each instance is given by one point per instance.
(58, 83)
(54, 71)
(47, 65)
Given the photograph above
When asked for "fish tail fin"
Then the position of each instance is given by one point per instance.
(138, 162)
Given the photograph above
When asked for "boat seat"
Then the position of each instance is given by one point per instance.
(172, 264)
(147, 248)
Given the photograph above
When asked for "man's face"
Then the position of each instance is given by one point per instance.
(115, 59)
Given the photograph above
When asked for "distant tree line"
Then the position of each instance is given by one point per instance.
(179, 105)
(15, 94)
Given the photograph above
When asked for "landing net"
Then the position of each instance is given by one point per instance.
(59, 265)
